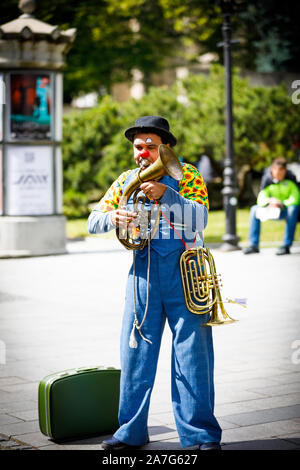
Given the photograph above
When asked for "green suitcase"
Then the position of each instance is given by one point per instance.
(79, 403)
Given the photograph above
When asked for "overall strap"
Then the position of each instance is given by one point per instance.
(172, 226)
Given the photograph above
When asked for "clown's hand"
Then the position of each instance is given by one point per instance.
(153, 189)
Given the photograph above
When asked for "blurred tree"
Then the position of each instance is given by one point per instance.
(268, 31)
(95, 151)
(273, 34)
(113, 38)
(116, 36)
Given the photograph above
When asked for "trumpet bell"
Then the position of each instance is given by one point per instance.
(215, 321)
(219, 319)
(170, 162)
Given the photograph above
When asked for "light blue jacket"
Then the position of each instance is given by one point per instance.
(178, 210)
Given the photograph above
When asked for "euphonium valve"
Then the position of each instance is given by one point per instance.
(201, 286)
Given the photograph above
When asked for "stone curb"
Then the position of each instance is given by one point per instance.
(9, 443)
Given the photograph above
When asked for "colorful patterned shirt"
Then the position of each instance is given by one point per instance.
(191, 186)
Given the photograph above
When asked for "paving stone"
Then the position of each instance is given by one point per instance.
(287, 378)
(263, 444)
(4, 397)
(9, 445)
(6, 381)
(161, 407)
(153, 421)
(237, 381)
(223, 410)
(14, 444)
(30, 415)
(155, 430)
(166, 418)
(260, 431)
(255, 376)
(293, 437)
(8, 397)
(7, 419)
(35, 439)
(170, 444)
(16, 406)
(225, 395)
(55, 447)
(164, 436)
(93, 443)
(226, 424)
(278, 389)
(265, 416)
(21, 388)
(16, 429)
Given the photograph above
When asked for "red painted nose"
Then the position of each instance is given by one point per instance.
(144, 154)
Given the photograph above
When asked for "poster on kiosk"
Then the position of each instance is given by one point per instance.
(30, 106)
(29, 167)
(29, 179)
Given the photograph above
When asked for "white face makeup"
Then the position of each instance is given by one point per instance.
(145, 148)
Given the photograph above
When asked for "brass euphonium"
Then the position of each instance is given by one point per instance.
(167, 163)
(201, 286)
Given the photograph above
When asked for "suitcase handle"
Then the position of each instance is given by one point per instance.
(86, 369)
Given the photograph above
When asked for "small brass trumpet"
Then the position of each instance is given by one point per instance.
(201, 286)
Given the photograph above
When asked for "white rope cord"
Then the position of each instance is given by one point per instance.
(132, 341)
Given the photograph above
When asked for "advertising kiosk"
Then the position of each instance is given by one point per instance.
(32, 57)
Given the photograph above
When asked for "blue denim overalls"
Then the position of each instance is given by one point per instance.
(192, 347)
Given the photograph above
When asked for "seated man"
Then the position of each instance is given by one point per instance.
(267, 177)
(283, 194)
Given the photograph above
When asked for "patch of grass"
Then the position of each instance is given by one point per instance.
(76, 228)
(271, 231)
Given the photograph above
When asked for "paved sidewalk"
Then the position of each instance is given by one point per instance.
(60, 312)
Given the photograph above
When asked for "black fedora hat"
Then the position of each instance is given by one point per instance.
(154, 125)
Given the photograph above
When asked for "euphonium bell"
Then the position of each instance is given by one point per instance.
(201, 286)
(167, 163)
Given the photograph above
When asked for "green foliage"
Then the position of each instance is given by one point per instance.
(114, 37)
(95, 151)
(265, 120)
(85, 135)
(272, 36)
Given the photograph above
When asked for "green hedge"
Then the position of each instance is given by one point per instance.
(95, 150)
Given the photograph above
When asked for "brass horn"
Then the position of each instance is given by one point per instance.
(201, 286)
(167, 163)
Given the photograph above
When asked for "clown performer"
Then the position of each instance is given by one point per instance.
(154, 294)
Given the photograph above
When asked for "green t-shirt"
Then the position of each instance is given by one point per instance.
(286, 191)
